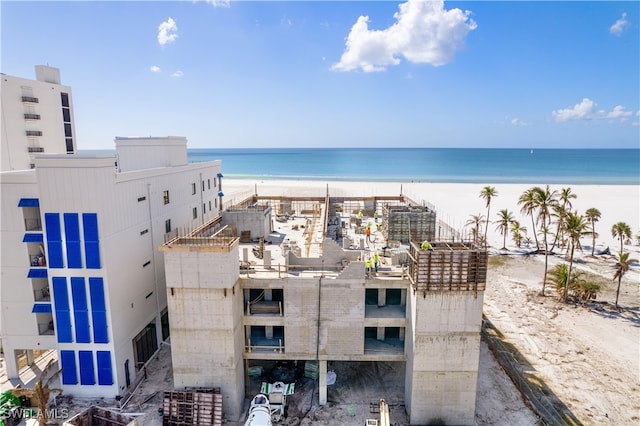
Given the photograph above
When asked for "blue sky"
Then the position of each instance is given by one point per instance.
(339, 74)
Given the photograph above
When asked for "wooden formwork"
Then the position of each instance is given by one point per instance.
(97, 416)
(202, 407)
(448, 267)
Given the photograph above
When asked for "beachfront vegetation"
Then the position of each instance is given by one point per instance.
(622, 267)
(580, 287)
(527, 202)
(505, 218)
(544, 200)
(487, 193)
(561, 209)
(475, 221)
(622, 231)
(518, 233)
(575, 227)
(593, 215)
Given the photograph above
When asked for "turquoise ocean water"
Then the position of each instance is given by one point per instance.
(460, 165)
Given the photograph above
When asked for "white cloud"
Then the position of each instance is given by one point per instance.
(586, 110)
(154, 68)
(219, 3)
(424, 33)
(519, 123)
(177, 74)
(167, 32)
(620, 25)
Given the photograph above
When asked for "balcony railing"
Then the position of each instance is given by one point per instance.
(36, 149)
(34, 224)
(34, 132)
(42, 295)
(45, 328)
(30, 99)
(32, 116)
(268, 345)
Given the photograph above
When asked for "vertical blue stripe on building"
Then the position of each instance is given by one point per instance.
(72, 237)
(91, 240)
(68, 361)
(87, 375)
(80, 310)
(54, 240)
(61, 304)
(105, 376)
(98, 310)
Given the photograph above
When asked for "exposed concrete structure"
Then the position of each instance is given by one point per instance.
(312, 292)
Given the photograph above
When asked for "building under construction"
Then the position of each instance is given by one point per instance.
(279, 278)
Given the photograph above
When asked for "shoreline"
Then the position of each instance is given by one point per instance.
(456, 202)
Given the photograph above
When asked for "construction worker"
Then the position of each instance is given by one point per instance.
(367, 265)
(425, 245)
(359, 214)
(368, 233)
(376, 261)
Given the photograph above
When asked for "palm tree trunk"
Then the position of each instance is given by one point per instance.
(618, 289)
(593, 234)
(533, 226)
(486, 243)
(504, 240)
(566, 286)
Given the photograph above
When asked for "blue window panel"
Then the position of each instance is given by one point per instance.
(91, 240)
(37, 273)
(54, 240)
(220, 175)
(61, 306)
(41, 308)
(68, 361)
(105, 375)
(98, 310)
(72, 237)
(32, 238)
(80, 313)
(87, 375)
(29, 202)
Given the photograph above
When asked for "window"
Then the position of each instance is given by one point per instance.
(144, 232)
(69, 142)
(215, 182)
(204, 209)
(208, 183)
(165, 197)
(195, 212)
(66, 115)
(167, 225)
(67, 130)
(202, 186)
(147, 263)
(141, 198)
(216, 202)
(209, 205)
(65, 99)
(193, 188)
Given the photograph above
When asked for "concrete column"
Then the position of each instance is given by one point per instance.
(267, 259)
(380, 333)
(322, 382)
(10, 363)
(382, 296)
(268, 332)
(361, 243)
(245, 254)
(30, 360)
(402, 330)
(268, 295)
(403, 297)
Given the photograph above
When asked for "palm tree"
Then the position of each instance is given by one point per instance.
(622, 231)
(528, 202)
(505, 218)
(41, 392)
(575, 228)
(593, 215)
(622, 267)
(560, 213)
(518, 232)
(476, 221)
(544, 200)
(487, 193)
(565, 198)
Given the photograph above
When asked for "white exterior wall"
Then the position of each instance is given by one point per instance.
(147, 153)
(15, 143)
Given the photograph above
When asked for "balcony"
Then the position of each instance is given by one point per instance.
(37, 260)
(384, 340)
(45, 324)
(33, 224)
(32, 116)
(42, 295)
(35, 149)
(34, 132)
(30, 99)
(266, 339)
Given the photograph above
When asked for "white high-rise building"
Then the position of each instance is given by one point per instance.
(37, 117)
(80, 268)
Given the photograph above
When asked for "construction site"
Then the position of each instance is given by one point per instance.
(279, 289)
